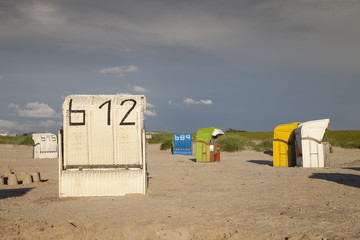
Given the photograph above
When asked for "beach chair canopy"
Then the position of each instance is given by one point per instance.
(205, 134)
(285, 132)
(313, 129)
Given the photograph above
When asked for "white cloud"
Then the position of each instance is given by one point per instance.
(34, 109)
(149, 105)
(49, 123)
(150, 112)
(139, 89)
(123, 93)
(10, 126)
(13, 105)
(192, 101)
(14, 127)
(208, 101)
(189, 101)
(42, 13)
(119, 71)
(4, 124)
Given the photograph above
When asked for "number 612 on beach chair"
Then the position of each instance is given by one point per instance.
(102, 146)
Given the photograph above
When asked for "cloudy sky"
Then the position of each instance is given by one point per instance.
(243, 64)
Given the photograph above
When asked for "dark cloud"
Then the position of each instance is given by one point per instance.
(277, 60)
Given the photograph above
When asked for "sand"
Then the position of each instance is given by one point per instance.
(241, 197)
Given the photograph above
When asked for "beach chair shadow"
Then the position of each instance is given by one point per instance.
(270, 153)
(351, 180)
(261, 162)
(353, 168)
(18, 192)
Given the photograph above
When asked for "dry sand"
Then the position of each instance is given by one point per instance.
(241, 197)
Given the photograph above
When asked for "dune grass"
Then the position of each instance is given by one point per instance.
(17, 140)
(234, 141)
(254, 136)
(160, 137)
(238, 141)
(230, 142)
(344, 138)
(264, 146)
(167, 144)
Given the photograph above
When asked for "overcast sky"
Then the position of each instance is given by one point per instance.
(242, 64)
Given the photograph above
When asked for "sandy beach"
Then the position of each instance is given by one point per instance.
(241, 197)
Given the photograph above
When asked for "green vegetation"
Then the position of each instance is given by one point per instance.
(262, 141)
(234, 130)
(233, 143)
(160, 137)
(344, 139)
(238, 140)
(166, 145)
(264, 146)
(255, 136)
(17, 140)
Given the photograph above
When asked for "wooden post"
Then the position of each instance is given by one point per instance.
(326, 147)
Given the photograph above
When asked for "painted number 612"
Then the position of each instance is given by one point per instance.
(108, 103)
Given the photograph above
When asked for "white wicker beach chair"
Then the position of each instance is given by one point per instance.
(45, 145)
(312, 152)
(102, 146)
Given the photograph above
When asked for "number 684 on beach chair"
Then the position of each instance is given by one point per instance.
(102, 146)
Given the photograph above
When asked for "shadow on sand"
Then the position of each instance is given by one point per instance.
(351, 180)
(270, 153)
(261, 162)
(17, 192)
(353, 168)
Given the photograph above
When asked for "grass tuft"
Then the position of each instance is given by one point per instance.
(167, 144)
(232, 143)
(17, 140)
(264, 146)
(344, 139)
(160, 137)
